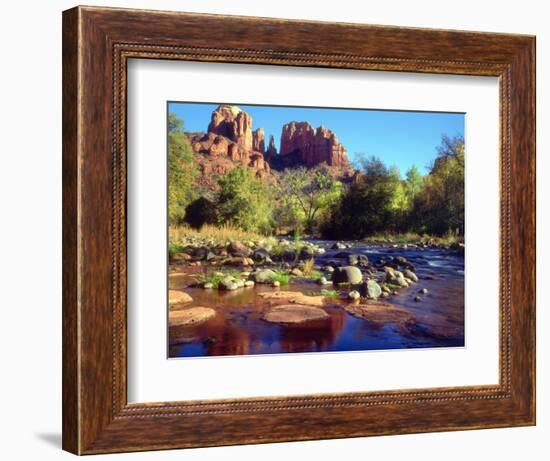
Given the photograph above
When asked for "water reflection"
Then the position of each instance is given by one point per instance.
(238, 328)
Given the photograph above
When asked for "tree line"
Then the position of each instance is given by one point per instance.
(311, 201)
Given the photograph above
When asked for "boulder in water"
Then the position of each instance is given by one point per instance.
(347, 274)
(371, 289)
(294, 313)
(410, 275)
(178, 297)
(228, 284)
(263, 276)
(191, 316)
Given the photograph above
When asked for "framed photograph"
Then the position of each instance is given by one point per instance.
(284, 230)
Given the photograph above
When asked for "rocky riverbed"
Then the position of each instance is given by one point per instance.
(312, 295)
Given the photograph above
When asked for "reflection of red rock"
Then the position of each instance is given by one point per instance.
(239, 340)
(301, 143)
(233, 338)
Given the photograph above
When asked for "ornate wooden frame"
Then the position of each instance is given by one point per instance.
(97, 43)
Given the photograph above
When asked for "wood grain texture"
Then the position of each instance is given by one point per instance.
(70, 383)
(97, 43)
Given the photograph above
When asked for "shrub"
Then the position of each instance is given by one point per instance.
(282, 277)
(200, 212)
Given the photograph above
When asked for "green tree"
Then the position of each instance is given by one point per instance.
(413, 183)
(175, 124)
(244, 201)
(439, 206)
(181, 170)
(399, 202)
(305, 193)
(371, 204)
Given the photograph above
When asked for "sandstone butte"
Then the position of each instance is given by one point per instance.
(230, 141)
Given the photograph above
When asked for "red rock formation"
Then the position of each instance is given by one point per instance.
(228, 144)
(209, 143)
(232, 123)
(271, 149)
(258, 140)
(231, 143)
(258, 162)
(301, 143)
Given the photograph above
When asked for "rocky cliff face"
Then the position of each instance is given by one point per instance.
(258, 140)
(232, 123)
(271, 151)
(231, 142)
(303, 144)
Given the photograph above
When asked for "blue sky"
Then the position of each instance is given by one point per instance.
(398, 137)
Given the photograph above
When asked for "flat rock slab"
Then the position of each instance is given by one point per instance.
(280, 294)
(178, 297)
(191, 316)
(380, 312)
(311, 300)
(294, 313)
(296, 297)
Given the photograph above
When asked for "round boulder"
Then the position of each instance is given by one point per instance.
(263, 276)
(410, 275)
(371, 289)
(347, 274)
(353, 260)
(228, 284)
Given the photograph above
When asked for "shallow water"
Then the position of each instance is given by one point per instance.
(238, 329)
